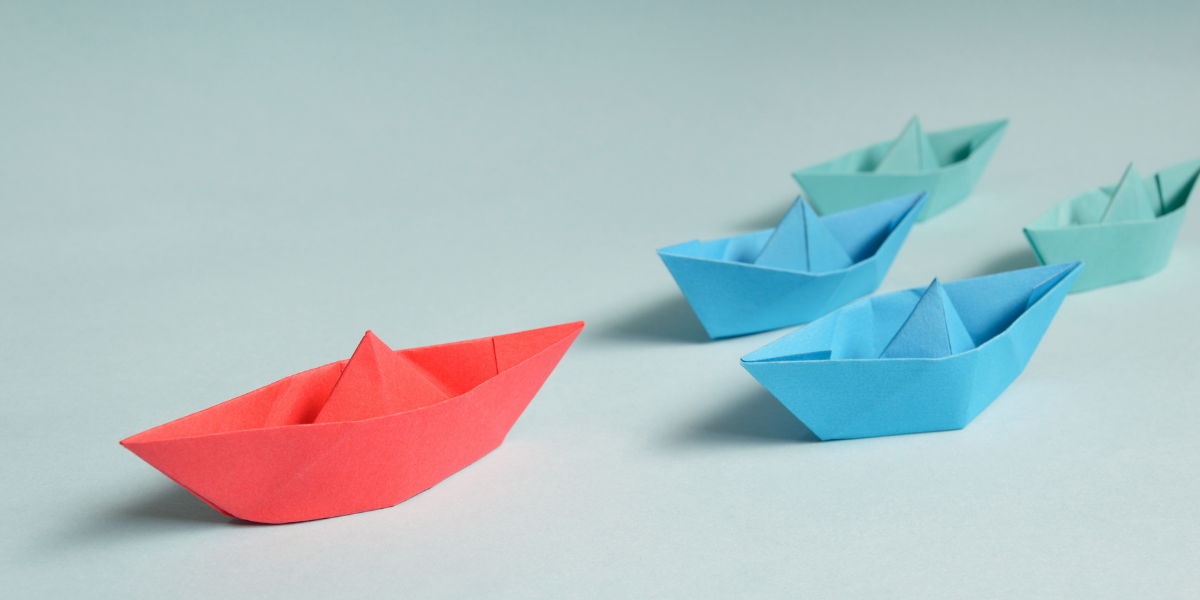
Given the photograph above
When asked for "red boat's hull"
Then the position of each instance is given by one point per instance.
(255, 458)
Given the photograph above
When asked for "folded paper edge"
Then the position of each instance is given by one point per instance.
(573, 333)
(1071, 268)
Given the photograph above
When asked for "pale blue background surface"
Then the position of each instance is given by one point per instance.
(201, 199)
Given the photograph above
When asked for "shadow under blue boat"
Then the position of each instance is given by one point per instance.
(1012, 260)
(668, 319)
(752, 418)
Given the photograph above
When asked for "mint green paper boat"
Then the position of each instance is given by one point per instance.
(947, 164)
(1120, 232)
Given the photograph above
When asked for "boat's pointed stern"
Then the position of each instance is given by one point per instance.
(515, 348)
(966, 152)
(235, 472)
(895, 238)
(1004, 357)
(1177, 184)
(876, 230)
(777, 380)
(973, 145)
(148, 453)
(1045, 298)
(991, 134)
(694, 266)
(525, 359)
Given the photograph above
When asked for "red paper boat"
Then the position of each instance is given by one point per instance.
(358, 434)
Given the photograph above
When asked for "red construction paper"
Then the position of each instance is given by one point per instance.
(378, 382)
(276, 455)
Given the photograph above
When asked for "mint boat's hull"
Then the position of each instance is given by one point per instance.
(1120, 251)
(733, 298)
(823, 375)
(254, 457)
(1115, 253)
(848, 182)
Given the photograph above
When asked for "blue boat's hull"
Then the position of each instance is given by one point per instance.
(737, 298)
(866, 397)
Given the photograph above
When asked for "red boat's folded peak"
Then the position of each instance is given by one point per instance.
(299, 400)
(378, 382)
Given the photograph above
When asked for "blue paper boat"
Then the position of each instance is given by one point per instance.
(794, 273)
(947, 164)
(924, 359)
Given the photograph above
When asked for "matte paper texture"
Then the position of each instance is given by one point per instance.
(358, 434)
(802, 269)
(924, 359)
(946, 164)
(1121, 232)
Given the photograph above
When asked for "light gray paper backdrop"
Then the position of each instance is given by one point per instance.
(199, 199)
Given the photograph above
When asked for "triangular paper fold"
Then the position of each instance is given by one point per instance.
(910, 153)
(933, 329)
(377, 382)
(1131, 201)
(802, 242)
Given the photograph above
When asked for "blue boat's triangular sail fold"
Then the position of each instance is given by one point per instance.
(933, 329)
(1131, 201)
(862, 231)
(802, 243)
(912, 152)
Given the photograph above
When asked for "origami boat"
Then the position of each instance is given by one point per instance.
(791, 274)
(947, 164)
(359, 434)
(913, 361)
(1120, 232)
